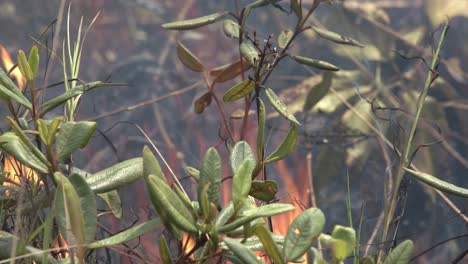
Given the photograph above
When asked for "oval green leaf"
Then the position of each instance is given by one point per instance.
(249, 52)
(269, 244)
(188, 58)
(239, 90)
(337, 38)
(346, 234)
(34, 59)
(279, 106)
(244, 254)
(301, 233)
(231, 28)
(164, 251)
(284, 37)
(401, 254)
(317, 92)
(286, 147)
(88, 205)
(13, 145)
(319, 64)
(241, 182)
(72, 136)
(240, 152)
(264, 190)
(151, 164)
(24, 67)
(210, 173)
(195, 22)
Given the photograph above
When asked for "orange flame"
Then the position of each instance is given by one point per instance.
(61, 247)
(8, 63)
(188, 243)
(18, 173)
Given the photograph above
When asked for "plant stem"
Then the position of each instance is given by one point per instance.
(404, 162)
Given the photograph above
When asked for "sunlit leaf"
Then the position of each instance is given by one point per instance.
(33, 59)
(24, 67)
(127, 235)
(231, 28)
(163, 197)
(193, 172)
(244, 254)
(188, 58)
(337, 38)
(151, 164)
(72, 136)
(279, 106)
(8, 89)
(346, 234)
(286, 147)
(195, 22)
(319, 64)
(119, 175)
(240, 152)
(401, 254)
(239, 90)
(284, 38)
(317, 92)
(249, 52)
(301, 233)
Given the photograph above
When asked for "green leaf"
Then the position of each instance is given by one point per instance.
(164, 198)
(439, 184)
(240, 152)
(16, 148)
(337, 38)
(251, 214)
(244, 254)
(210, 173)
(69, 214)
(204, 202)
(284, 37)
(151, 164)
(226, 213)
(193, 172)
(229, 71)
(401, 254)
(72, 136)
(264, 190)
(317, 92)
(249, 52)
(88, 206)
(24, 67)
(164, 251)
(33, 60)
(346, 234)
(127, 235)
(188, 58)
(301, 233)
(43, 131)
(319, 64)
(195, 22)
(279, 106)
(231, 28)
(241, 182)
(116, 176)
(296, 8)
(269, 244)
(239, 90)
(61, 99)
(112, 199)
(286, 147)
(8, 89)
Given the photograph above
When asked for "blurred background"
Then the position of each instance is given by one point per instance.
(126, 44)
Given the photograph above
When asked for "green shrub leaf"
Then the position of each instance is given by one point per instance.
(279, 106)
(112, 199)
(240, 152)
(319, 64)
(337, 38)
(239, 90)
(24, 67)
(210, 173)
(286, 147)
(244, 254)
(13, 145)
(249, 52)
(269, 244)
(188, 58)
(401, 254)
(88, 205)
(264, 190)
(8, 89)
(346, 234)
(116, 176)
(317, 92)
(72, 136)
(195, 22)
(164, 251)
(261, 129)
(230, 71)
(127, 235)
(151, 164)
(241, 182)
(33, 59)
(164, 198)
(231, 28)
(284, 37)
(301, 233)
